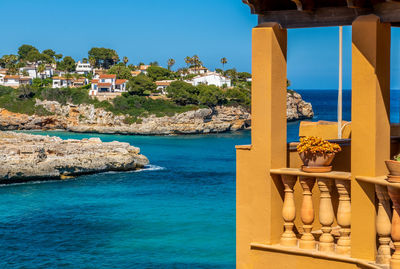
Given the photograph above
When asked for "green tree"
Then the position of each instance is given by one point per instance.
(67, 64)
(159, 73)
(58, 57)
(170, 63)
(92, 61)
(224, 61)
(24, 50)
(122, 72)
(155, 63)
(40, 69)
(210, 95)
(33, 56)
(182, 93)
(188, 61)
(140, 84)
(85, 60)
(125, 60)
(25, 92)
(104, 57)
(49, 52)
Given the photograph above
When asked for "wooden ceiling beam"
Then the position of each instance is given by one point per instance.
(357, 3)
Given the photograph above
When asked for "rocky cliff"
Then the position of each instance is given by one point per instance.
(87, 118)
(27, 157)
(297, 108)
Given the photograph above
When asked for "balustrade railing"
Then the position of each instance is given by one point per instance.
(325, 183)
(387, 214)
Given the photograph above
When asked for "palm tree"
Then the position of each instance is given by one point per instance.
(170, 63)
(40, 69)
(188, 61)
(196, 62)
(224, 61)
(115, 59)
(92, 61)
(125, 60)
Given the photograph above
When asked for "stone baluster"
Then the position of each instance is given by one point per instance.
(383, 225)
(289, 211)
(394, 194)
(307, 240)
(326, 215)
(344, 217)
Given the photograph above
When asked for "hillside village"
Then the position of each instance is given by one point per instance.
(104, 74)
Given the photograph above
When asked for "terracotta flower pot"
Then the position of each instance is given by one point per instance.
(393, 167)
(317, 162)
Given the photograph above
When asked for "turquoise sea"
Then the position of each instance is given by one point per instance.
(177, 213)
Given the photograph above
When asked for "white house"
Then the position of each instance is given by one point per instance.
(83, 68)
(32, 71)
(62, 82)
(162, 86)
(107, 83)
(143, 69)
(198, 70)
(211, 78)
(16, 81)
(2, 78)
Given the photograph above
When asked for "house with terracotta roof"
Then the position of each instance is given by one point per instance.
(107, 83)
(198, 70)
(143, 69)
(162, 86)
(135, 73)
(62, 82)
(15, 81)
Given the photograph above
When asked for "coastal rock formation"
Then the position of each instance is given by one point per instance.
(88, 119)
(297, 108)
(27, 157)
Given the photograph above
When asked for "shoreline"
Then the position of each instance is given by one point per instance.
(32, 157)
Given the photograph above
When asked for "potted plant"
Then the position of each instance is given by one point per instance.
(394, 169)
(317, 154)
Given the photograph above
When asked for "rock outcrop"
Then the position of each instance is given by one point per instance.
(297, 108)
(88, 119)
(27, 157)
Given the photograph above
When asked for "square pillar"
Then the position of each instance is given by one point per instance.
(258, 194)
(370, 145)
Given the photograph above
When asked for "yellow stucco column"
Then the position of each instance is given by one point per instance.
(370, 145)
(259, 201)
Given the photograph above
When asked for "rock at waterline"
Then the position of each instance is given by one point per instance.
(86, 118)
(26, 157)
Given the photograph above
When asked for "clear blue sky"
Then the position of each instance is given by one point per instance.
(155, 30)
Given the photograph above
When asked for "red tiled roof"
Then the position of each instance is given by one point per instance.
(120, 81)
(163, 83)
(95, 81)
(108, 76)
(11, 77)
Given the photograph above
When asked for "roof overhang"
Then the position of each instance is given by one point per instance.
(318, 13)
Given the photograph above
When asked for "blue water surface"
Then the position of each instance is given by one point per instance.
(178, 213)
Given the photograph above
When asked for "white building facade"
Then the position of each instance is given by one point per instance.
(83, 68)
(211, 78)
(107, 83)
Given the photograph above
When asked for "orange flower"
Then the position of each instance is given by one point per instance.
(315, 145)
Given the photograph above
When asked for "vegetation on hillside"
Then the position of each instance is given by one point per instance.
(137, 101)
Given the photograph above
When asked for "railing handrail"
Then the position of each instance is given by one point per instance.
(299, 172)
